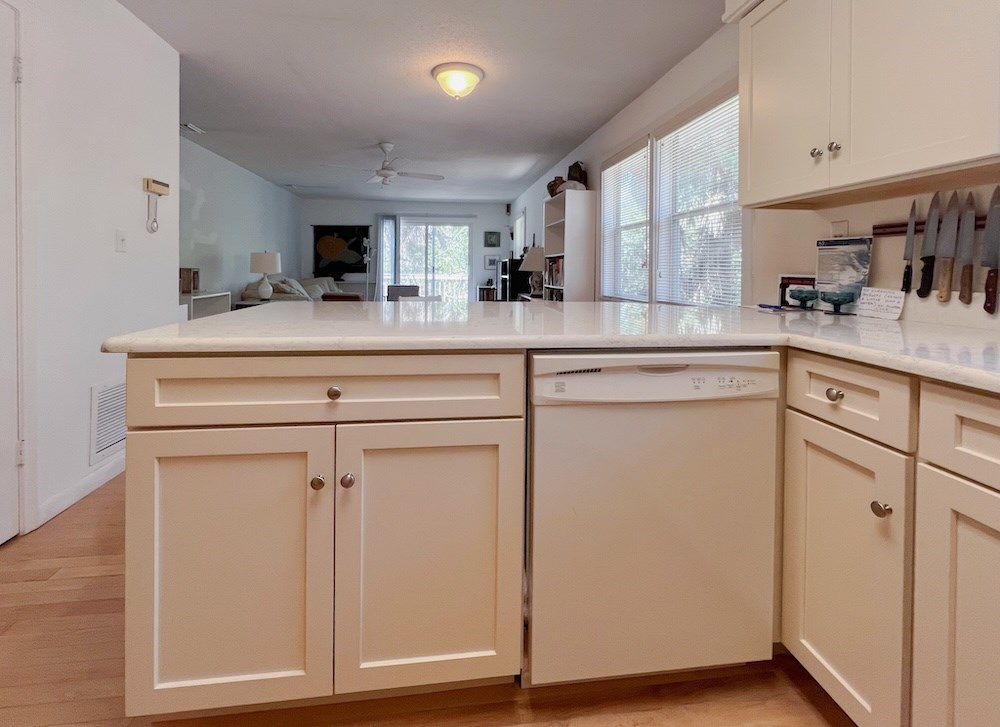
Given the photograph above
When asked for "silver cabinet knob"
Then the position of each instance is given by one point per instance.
(815, 152)
(881, 509)
(347, 481)
(318, 482)
(833, 147)
(334, 393)
(834, 394)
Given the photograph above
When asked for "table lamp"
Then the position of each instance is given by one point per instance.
(265, 263)
(534, 262)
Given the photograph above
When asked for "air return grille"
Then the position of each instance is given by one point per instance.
(107, 421)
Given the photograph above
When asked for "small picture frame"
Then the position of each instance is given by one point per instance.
(491, 239)
(491, 261)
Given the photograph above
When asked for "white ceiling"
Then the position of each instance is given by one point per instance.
(284, 87)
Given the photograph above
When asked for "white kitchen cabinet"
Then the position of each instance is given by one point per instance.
(234, 490)
(429, 554)
(840, 93)
(229, 561)
(846, 571)
(956, 645)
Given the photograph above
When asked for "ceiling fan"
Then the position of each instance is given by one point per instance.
(387, 172)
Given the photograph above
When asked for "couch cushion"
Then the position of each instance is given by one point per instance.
(288, 285)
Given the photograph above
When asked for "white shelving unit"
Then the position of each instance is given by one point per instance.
(570, 220)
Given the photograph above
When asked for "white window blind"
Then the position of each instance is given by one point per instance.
(625, 228)
(698, 219)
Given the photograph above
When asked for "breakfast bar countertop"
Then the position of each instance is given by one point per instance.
(954, 354)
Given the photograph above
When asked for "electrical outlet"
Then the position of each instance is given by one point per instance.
(121, 244)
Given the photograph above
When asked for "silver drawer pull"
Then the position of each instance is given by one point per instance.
(334, 393)
(834, 395)
(347, 481)
(815, 152)
(318, 482)
(881, 509)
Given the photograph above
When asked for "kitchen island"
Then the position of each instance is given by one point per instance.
(249, 581)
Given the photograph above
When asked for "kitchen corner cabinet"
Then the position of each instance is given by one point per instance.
(838, 93)
(256, 491)
(570, 220)
(956, 645)
(848, 534)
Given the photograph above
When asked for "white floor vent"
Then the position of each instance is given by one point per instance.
(107, 421)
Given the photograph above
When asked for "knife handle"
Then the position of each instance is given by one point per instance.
(990, 306)
(907, 278)
(965, 284)
(945, 270)
(926, 276)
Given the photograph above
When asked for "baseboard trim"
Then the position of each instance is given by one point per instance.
(112, 467)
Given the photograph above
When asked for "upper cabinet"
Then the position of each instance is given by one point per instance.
(841, 94)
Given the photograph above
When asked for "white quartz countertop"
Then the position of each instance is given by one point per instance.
(966, 356)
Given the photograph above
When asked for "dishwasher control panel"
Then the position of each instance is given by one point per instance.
(566, 379)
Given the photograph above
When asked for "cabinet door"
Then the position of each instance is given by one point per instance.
(429, 552)
(784, 99)
(956, 667)
(914, 86)
(229, 567)
(846, 571)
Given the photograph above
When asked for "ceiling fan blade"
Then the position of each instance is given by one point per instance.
(372, 179)
(418, 175)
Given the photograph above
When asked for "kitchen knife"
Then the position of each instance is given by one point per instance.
(991, 251)
(945, 252)
(927, 247)
(911, 233)
(963, 258)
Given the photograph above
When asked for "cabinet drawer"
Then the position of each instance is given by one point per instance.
(296, 389)
(874, 403)
(960, 431)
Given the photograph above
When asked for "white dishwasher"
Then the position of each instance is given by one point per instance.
(652, 490)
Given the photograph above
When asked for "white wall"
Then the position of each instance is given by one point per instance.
(483, 217)
(712, 66)
(227, 212)
(99, 113)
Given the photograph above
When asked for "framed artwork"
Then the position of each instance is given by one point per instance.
(491, 261)
(491, 239)
(339, 249)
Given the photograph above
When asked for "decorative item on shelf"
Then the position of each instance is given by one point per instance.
(265, 263)
(569, 185)
(577, 174)
(553, 186)
(534, 262)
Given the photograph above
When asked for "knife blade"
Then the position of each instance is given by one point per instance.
(928, 245)
(991, 251)
(945, 253)
(911, 233)
(963, 258)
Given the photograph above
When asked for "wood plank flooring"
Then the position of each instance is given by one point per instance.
(62, 660)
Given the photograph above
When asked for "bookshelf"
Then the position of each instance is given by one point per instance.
(570, 240)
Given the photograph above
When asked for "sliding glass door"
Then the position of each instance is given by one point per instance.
(434, 255)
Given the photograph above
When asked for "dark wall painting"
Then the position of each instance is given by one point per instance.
(339, 249)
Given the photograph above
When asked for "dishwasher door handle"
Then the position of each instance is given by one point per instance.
(661, 369)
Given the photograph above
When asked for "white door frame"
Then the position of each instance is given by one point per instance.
(11, 430)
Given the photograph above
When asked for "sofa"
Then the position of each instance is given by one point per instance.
(306, 289)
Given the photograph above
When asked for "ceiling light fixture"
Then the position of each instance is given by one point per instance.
(457, 79)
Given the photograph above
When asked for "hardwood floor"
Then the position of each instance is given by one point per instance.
(62, 659)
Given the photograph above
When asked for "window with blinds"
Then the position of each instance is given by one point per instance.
(699, 235)
(625, 227)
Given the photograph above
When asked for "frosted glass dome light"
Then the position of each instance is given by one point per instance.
(457, 79)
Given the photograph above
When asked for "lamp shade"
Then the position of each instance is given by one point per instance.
(265, 262)
(533, 260)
